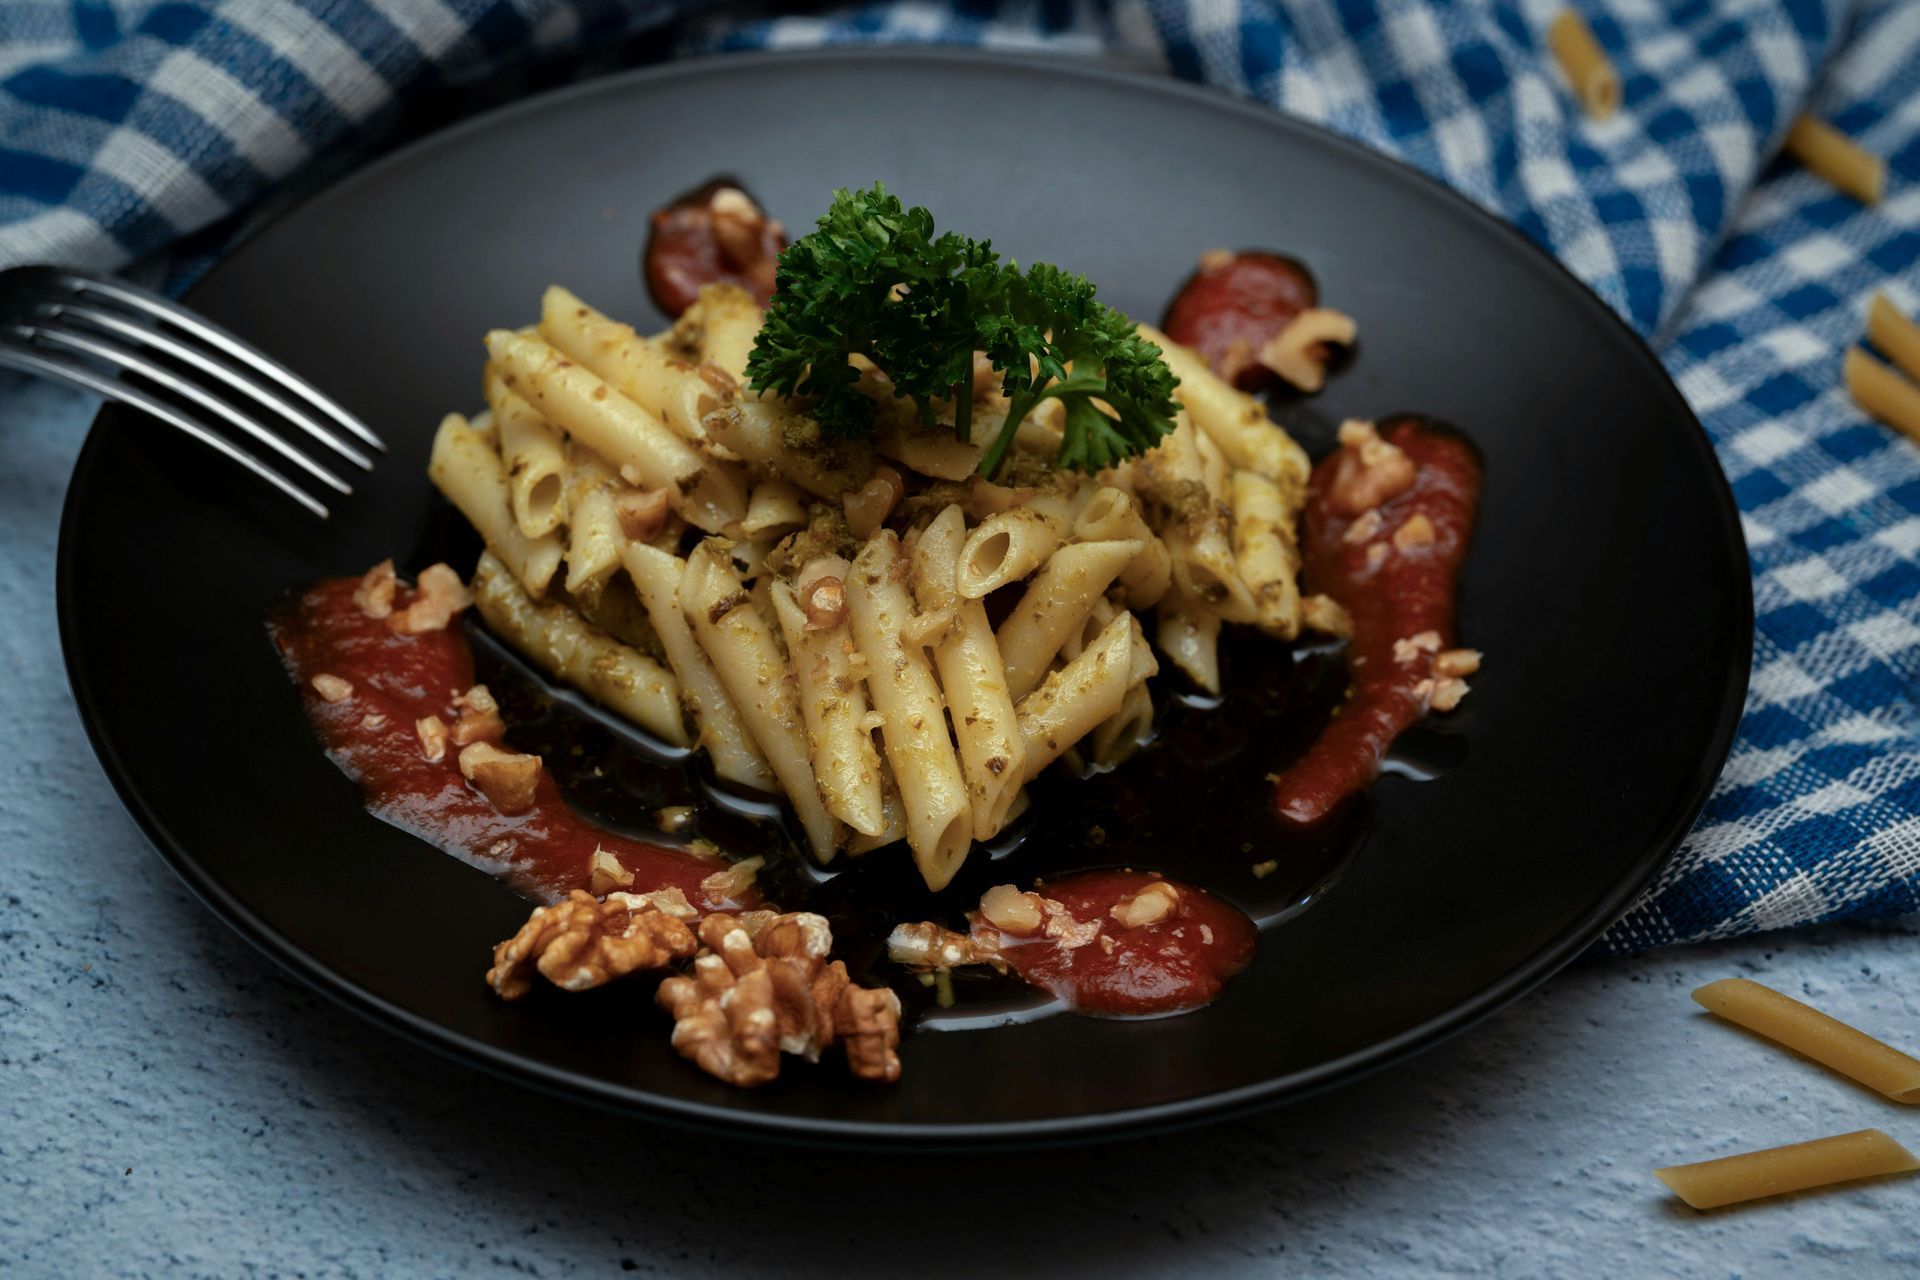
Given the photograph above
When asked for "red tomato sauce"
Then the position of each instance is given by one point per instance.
(1180, 962)
(1408, 592)
(400, 679)
(683, 254)
(1233, 305)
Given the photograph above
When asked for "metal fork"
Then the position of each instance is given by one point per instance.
(125, 343)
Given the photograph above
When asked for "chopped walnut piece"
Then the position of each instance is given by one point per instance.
(742, 230)
(1326, 615)
(479, 717)
(724, 1023)
(332, 687)
(1376, 555)
(642, 514)
(1447, 692)
(374, 595)
(866, 1022)
(580, 943)
(1425, 641)
(604, 872)
(717, 378)
(508, 779)
(1415, 531)
(1009, 910)
(925, 945)
(1150, 905)
(1369, 471)
(373, 720)
(1070, 934)
(1456, 662)
(1405, 651)
(869, 506)
(1299, 352)
(825, 602)
(433, 738)
(441, 596)
(732, 883)
(1365, 527)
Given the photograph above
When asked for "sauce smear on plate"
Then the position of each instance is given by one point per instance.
(1398, 588)
(1180, 961)
(370, 733)
(715, 234)
(1233, 305)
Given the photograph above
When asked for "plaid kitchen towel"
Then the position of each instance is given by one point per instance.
(142, 135)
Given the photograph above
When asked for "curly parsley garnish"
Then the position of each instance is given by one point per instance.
(874, 280)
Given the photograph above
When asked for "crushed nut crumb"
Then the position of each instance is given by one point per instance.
(332, 688)
(1150, 905)
(433, 738)
(508, 779)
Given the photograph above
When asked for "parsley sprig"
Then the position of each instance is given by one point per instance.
(873, 279)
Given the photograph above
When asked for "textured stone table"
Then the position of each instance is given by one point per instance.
(170, 1104)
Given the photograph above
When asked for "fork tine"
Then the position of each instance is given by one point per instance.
(228, 344)
(78, 374)
(133, 362)
(213, 367)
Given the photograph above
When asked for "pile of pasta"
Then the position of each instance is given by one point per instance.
(818, 615)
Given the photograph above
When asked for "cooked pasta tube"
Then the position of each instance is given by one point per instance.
(1010, 545)
(467, 470)
(1585, 63)
(968, 658)
(1233, 419)
(1111, 515)
(894, 826)
(1078, 697)
(594, 536)
(1266, 554)
(1172, 484)
(1838, 159)
(775, 507)
(1807, 1031)
(933, 453)
(741, 647)
(1117, 738)
(833, 701)
(722, 324)
(1776, 1171)
(1897, 337)
(1054, 604)
(775, 440)
(1189, 634)
(536, 460)
(644, 371)
(1882, 393)
(656, 576)
(901, 684)
(565, 645)
(634, 441)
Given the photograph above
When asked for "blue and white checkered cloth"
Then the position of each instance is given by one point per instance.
(143, 136)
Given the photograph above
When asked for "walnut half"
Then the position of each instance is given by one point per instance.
(580, 943)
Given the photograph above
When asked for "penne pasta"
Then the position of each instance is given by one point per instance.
(775, 507)
(535, 459)
(1189, 635)
(895, 824)
(1811, 1033)
(900, 682)
(992, 752)
(1118, 738)
(774, 440)
(1054, 605)
(1897, 337)
(1595, 83)
(646, 372)
(468, 471)
(565, 645)
(633, 441)
(1265, 553)
(1110, 515)
(833, 702)
(1881, 393)
(1171, 482)
(1078, 697)
(1776, 1171)
(1234, 420)
(1008, 546)
(1836, 158)
(741, 647)
(594, 536)
(656, 576)
(721, 327)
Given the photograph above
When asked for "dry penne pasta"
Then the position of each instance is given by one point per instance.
(535, 459)
(589, 659)
(1897, 337)
(741, 646)
(900, 683)
(1585, 64)
(1880, 392)
(656, 577)
(1868, 1153)
(1807, 1031)
(466, 469)
(1838, 159)
(833, 701)
(1055, 603)
(1078, 697)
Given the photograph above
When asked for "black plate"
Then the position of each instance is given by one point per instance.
(1608, 581)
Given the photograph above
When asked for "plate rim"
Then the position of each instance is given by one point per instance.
(1522, 978)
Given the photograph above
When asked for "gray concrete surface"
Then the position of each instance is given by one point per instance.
(170, 1104)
